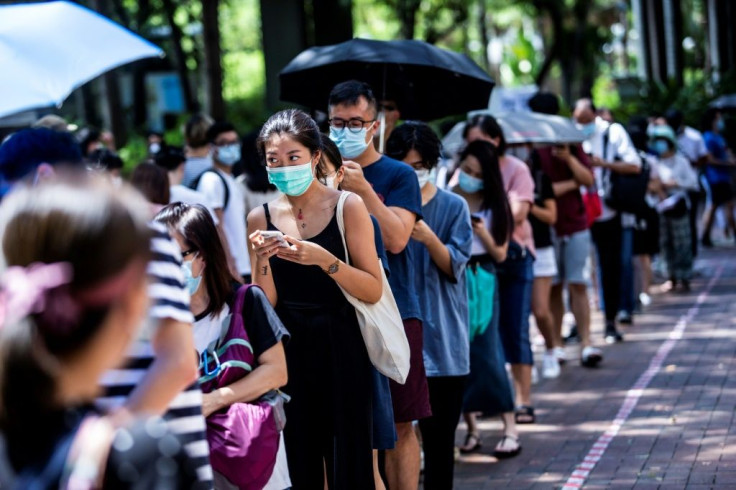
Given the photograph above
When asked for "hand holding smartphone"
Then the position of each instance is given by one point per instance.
(266, 234)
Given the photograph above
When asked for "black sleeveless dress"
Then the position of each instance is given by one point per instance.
(330, 412)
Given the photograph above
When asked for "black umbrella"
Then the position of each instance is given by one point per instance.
(425, 81)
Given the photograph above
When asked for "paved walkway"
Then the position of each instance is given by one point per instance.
(658, 412)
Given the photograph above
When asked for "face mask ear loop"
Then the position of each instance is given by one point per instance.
(383, 131)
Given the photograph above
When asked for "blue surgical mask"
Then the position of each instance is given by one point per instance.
(470, 184)
(350, 144)
(228, 155)
(292, 181)
(660, 147)
(191, 282)
(587, 129)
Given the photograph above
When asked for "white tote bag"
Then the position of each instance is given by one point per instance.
(380, 323)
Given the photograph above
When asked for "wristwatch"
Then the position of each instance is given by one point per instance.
(333, 268)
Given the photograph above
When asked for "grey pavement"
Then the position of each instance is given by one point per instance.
(679, 434)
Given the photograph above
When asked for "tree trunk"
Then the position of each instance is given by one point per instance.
(553, 54)
(406, 11)
(115, 113)
(190, 102)
(333, 21)
(482, 21)
(213, 58)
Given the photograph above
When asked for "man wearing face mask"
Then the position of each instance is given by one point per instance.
(611, 151)
(225, 196)
(390, 191)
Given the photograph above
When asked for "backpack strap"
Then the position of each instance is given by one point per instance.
(195, 184)
(341, 221)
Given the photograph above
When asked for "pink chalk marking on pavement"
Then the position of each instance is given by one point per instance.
(598, 449)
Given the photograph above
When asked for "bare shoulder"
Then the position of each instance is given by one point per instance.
(354, 205)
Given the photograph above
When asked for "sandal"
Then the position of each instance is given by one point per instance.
(502, 453)
(525, 415)
(468, 448)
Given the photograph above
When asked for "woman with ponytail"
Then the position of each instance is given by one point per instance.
(71, 300)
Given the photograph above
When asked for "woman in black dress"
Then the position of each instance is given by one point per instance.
(298, 259)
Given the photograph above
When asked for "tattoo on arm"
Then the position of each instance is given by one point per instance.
(264, 270)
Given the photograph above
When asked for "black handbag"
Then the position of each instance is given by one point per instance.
(625, 193)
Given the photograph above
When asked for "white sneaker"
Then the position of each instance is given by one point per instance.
(560, 355)
(591, 356)
(645, 299)
(550, 365)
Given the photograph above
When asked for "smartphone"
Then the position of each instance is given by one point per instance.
(475, 217)
(275, 234)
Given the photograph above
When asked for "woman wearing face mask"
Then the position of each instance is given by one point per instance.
(299, 260)
(676, 178)
(516, 273)
(488, 389)
(441, 249)
(214, 294)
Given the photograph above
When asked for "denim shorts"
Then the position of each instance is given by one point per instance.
(573, 258)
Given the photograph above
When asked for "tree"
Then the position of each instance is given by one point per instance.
(213, 59)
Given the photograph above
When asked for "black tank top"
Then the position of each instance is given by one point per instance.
(308, 286)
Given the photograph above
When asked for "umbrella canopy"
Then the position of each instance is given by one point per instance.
(425, 81)
(521, 127)
(725, 102)
(49, 49)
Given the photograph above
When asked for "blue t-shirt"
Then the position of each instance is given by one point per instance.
(396, 185)
(444, 300)
(717, 147)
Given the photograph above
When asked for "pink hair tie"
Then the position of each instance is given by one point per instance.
(23, 289)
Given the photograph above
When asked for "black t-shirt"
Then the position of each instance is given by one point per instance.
(542, 192)
(260, 320)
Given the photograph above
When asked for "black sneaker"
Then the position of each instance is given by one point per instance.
(572, 337)
(706, 242)
(613, 335)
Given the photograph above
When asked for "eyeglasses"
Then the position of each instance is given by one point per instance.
(355, 124)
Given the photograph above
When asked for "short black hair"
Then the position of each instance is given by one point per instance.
(217, 129)
(105, 158)
(674, 118)
(170, 157)
(350, 92)
(414, 135)
(545, 103)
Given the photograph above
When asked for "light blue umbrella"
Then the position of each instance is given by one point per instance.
(49, 49)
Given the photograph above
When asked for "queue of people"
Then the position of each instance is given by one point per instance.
(203, 328)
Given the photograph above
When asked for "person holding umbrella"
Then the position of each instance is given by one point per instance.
(391, 193)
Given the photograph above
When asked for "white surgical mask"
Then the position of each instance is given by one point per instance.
(424, 176)
(228, 155)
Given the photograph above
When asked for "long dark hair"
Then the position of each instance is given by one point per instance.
(494, 193)
(330, 153)
(297, 124)
(489, 126)
(99, 232)
(195, 225)
(415, 135)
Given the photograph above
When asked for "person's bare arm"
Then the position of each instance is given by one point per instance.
(260, 252)
(497, 252)
(581, 174)
(564, 186)
(519, 211)
(546, 214)
(270, 374)
(396, 223)
(173, 369)
(438, 251)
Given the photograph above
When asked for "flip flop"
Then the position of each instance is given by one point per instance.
(525, 415)
(467, 448)
(504, 454)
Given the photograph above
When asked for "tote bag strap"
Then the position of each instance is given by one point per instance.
(341, 221)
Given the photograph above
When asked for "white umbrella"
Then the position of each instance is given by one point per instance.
(49, 49)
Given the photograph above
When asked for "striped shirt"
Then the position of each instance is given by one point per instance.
(169, 300)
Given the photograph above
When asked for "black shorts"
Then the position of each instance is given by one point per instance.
(646, 234)
(720, 192)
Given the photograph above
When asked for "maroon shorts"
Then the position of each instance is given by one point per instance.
(411, 400)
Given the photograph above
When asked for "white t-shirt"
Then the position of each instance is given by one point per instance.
(691, 143)
(180, 193)
(620, 148)
(234, 214)
(677, 168)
